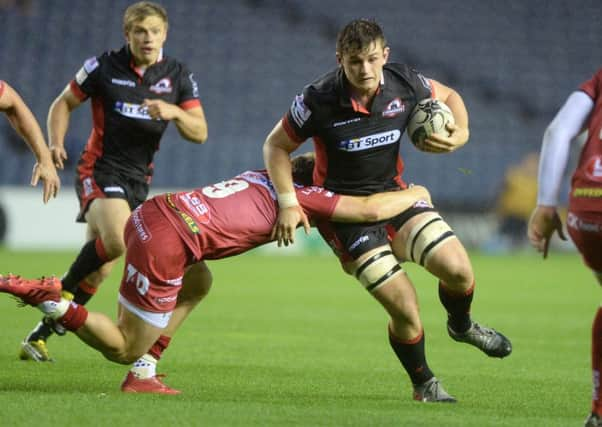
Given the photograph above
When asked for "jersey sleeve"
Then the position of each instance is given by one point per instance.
(421, 85)
(188, 96)
(299, 120)
(317, 202)
(593, 86)
(85, 83)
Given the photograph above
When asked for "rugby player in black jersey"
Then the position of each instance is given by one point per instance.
(134, 92)
(356, 115)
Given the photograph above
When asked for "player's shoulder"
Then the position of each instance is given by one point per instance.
(323, 89)
(401, 71)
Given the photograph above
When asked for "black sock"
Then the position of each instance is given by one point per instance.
(457, 306)
(82, 296)
(88, 261)
(41, 332)
(412, 357)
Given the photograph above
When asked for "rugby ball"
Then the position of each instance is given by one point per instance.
(428, 117)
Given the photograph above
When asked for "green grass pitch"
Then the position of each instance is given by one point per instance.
(292, 341)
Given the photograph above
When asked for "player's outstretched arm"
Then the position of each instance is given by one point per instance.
(26, 125)
(378, 207)
(276, 154)
(191, 124)
(58, 123)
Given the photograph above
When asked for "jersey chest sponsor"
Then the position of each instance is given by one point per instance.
(131, 110)
(370, 141)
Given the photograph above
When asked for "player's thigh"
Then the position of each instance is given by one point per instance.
(107, 217)
(139, 335)
(398, 297)
(196, 283)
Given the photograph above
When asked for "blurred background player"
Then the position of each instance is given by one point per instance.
(356, 115)
(165, 276)
(581, 111)
(135, 92)
(23, 121)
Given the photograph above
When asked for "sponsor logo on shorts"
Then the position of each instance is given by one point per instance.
(370, 141)
(162, 86)
(166, 300)
(299, 111)
(114, 189)
(139, 226)
(134, 111)
(573, 221)
(362, 239)
(394, 108)
(121, 82)
(422, 204)
(88, 187)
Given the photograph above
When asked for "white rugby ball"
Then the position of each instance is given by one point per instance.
(428, 117)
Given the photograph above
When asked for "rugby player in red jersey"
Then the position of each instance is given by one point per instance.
(581, 111)
(24, 122)
(356, 115)
(167, 238)
(135, 92)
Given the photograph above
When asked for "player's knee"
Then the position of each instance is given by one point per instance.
(454, 269)
(426, 238)
(377, 270)
(114, 246)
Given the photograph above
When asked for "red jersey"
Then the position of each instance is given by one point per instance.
(233, 216)
(586, 184)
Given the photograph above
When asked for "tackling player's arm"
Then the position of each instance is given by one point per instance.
(24, 122)
(58, 123)
(191, 123)
(276, 154)
(378, 207)
(566, 125)
(458, 132)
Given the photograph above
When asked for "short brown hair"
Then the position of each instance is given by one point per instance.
(303, 168)
(141, 10)
(358, 35)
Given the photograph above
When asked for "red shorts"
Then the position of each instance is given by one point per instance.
(585, 228)
(155, 261)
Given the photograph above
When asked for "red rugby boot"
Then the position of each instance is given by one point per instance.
(132, 384)
(32, 291)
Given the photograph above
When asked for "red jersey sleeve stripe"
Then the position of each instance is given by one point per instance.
(290, 131)
(77, 91)
(191, 103)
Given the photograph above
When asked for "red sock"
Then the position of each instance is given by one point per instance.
(596, 361)
(159, 346)
(75, 317)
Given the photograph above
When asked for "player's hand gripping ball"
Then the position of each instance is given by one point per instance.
(428, 117)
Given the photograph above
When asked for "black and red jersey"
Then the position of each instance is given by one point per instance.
(124, 137)
(586, 184)
(357, 151)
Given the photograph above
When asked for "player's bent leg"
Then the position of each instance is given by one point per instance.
(107, 217)
(380, 273)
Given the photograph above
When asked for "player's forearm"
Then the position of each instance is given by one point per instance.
(278, 165)
(192, 127)
(378, 207)
(456, 104)
(24, 122)
(58, 122)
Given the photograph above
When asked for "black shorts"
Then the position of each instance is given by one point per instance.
(103, 185)
(350, 241)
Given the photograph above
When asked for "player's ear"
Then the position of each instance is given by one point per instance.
(338, 55)
(386, 52)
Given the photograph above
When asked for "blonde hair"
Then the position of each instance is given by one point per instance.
(141, 10)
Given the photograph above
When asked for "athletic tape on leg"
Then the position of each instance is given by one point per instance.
(377, 269)
(426, 237)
